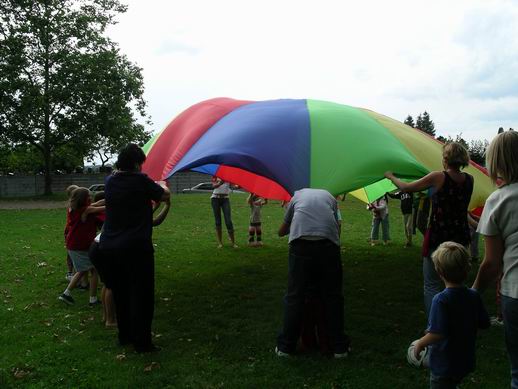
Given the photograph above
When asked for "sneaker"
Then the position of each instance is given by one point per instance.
(496, 321)
(94, 304)
(280, 353)
(66, 299)
(342, 355)
(69, 276)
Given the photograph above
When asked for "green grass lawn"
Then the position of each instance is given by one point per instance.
(217, 312)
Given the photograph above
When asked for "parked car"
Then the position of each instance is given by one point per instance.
(96, 188)
(200, 188)
(205, 187)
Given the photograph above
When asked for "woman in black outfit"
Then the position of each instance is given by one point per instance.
(127, 246)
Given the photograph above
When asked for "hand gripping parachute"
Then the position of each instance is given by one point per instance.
(273, 148)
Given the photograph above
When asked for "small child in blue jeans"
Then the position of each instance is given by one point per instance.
(455, 316)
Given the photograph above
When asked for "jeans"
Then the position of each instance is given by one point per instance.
(222, 204)
(473, 247)
(314, 263)
(510, 313)
(384, 228)
(432, 283)
(443, 382)
(409, 227)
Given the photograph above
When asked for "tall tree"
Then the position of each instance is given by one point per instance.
(424, 123)
(477, 151)
(108, 143)
(476, 148)
(61, 80)
(409, 121)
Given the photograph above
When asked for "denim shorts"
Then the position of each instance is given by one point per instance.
(81, 260)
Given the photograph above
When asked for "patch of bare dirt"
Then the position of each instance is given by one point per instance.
(32, 204)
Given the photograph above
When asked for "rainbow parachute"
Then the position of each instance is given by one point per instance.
(276, 147)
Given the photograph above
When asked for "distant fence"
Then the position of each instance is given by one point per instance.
(26, 186)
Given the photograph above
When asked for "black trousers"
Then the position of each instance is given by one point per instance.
(314, 264)
(133, 286)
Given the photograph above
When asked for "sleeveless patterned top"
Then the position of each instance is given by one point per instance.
(448, 221)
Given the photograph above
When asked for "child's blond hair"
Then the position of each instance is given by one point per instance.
(70, 189)
(79, 198)
(502, 157)
(451, 260)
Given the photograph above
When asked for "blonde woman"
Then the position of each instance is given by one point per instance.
(499, 225)
(450, 192)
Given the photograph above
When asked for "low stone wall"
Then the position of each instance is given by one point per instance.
(26, 186)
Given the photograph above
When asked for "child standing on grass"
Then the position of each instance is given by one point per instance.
(380, 215)
(455, 316)
(256, 203)
(407, 201)
(82, 228)
(70, 266)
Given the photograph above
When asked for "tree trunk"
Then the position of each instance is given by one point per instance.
(46, 121)
(48, 178)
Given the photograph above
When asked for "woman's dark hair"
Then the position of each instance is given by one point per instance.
(130, 158)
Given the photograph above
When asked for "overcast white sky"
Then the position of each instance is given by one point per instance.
(456, 59)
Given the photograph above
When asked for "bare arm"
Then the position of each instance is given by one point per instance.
(166, 195)
(216, 183)
(491, 267)
(394, 195)
(425, 341)
(99, 203)
(91, 210)
(473, 223)
(158, 219)
(284, 229)
(435, 179)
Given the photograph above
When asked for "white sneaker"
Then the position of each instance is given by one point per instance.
(496, 321)
(342, 355)
(281, 353)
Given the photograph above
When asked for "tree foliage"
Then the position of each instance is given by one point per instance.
(476, 148)
(477, 151)
(26, 159)
(409, 121)
(424, 123)
(62, 82)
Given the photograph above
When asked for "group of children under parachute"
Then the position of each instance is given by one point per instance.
(86, 215)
